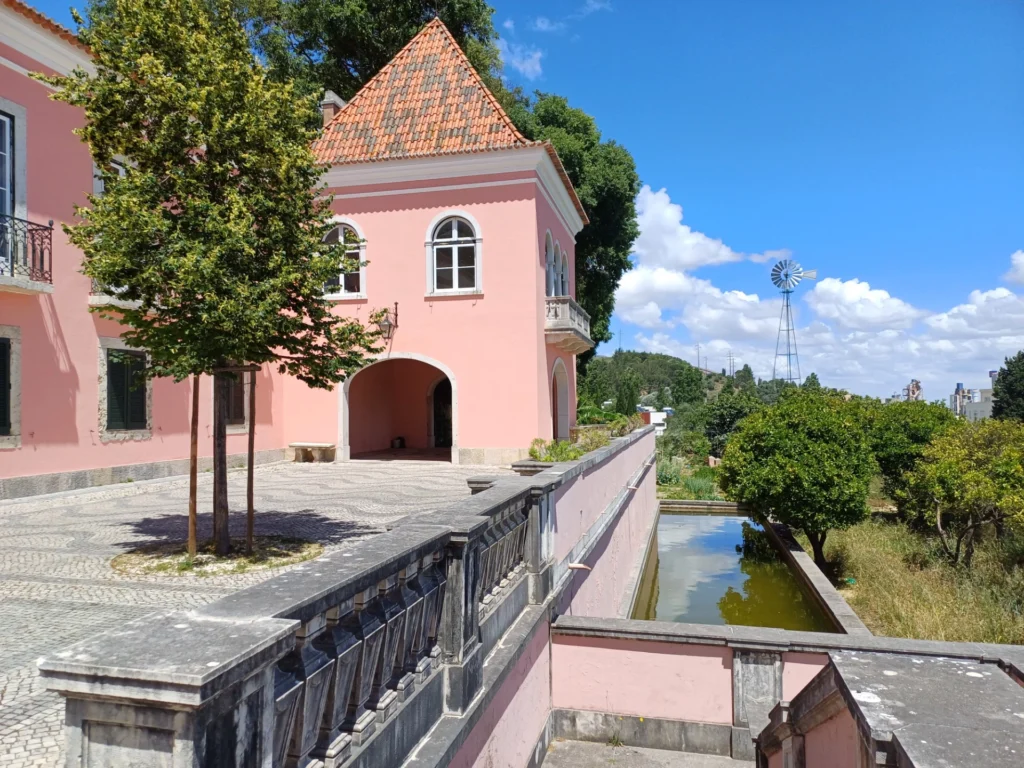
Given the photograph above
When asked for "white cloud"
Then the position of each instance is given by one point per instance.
(1016, 273)
(987, 313)
(509, 25)
(592, 6)
(544, 24)
(522, 58)
(854, 304)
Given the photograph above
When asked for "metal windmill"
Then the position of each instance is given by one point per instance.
(786, 275)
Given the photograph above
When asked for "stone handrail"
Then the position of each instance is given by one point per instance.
(346, 660)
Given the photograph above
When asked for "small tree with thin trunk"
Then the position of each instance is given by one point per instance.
(804, 462)
(215, 232)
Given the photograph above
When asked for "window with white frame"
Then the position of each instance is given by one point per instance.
(455, 251)
(10, 386)
(564, 273)
(99, 186)
(549, 266)
(6, 189)
(347, 283)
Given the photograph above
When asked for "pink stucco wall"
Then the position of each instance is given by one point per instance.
(391, 399)
(580, 502)
(642, 678)
(775, 761)
(798, 669)
(512, 724)
(833, 744)
(492, 344)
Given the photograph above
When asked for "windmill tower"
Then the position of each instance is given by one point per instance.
(786, 275)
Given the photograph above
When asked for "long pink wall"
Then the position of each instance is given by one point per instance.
(580, 502)
(798, 669)
(511, 726)
(833, 744)
(674, 681)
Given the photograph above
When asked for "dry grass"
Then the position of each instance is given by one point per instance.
(173, 560)
(904, 588)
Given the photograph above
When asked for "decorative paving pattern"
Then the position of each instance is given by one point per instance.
(57, 587)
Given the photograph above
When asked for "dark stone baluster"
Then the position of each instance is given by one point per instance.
(460, 625)
(411, 601)
(286, 705)
(429, 584)
(341, 645)
(313, 668)
(384, 697)
(488, 563)
(368, 629)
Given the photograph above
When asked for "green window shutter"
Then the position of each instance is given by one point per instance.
(117, 391)
(136, 392)
(5, 386)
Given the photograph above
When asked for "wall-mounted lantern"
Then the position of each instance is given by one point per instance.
(388, 324)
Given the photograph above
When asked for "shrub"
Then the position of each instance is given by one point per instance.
(554, 450)
(668, 473)
(592, 439)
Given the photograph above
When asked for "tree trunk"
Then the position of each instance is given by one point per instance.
(818, 546)
(221, 534)
(193, 469)
(250, 520)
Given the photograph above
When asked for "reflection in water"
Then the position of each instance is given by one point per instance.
(708, 569)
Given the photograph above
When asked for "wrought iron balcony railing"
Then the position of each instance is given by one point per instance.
(26, 249)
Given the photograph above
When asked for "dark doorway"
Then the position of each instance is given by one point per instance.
(443, 414)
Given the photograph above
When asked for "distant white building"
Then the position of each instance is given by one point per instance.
(979, 409)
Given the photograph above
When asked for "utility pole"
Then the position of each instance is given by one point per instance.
(698, 354)
(732, 364)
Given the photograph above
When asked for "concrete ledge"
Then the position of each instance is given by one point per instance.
(816, 582)
(56, 482)
(698, 507)
(647, 732)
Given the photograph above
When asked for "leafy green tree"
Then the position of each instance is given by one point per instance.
(811, 382)
(724, 415)
(688, 386)
(744, 379)
(805, 462)
(216, 229)
(970, 476)
(1008, 390)
(899, 435)
(627, 394)
(769, 390)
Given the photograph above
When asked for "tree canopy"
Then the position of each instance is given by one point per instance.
(811, 382)
(656, 372)
(724, 413)
(805, 461)
(1008, 390)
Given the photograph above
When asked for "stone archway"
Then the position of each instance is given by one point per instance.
(403, 395)
(559, 401)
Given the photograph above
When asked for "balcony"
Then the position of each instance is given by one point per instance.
(105, 296)
(567, 326)
(25, 256)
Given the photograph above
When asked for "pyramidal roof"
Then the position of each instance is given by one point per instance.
(427, 101)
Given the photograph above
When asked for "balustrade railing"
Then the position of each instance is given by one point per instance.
(567, 325)
(26, 249)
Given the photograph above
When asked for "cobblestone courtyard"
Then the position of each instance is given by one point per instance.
(57, 586)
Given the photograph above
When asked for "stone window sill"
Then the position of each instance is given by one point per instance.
(341, 298)
(10, 442)
(125, 435)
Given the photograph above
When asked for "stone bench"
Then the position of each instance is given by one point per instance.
(308, 452)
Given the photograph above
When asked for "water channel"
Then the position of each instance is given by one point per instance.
(721, 569)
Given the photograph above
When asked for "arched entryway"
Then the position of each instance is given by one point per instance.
(559, 401)
(405, 398)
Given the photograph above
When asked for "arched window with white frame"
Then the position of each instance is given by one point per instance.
(454, 252)
(556, 271)
(564, 272)
(349, 283)
(549, 266)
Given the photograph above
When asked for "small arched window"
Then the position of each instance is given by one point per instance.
(564, 271)
(549, 266)
(455, 251)
(347, 283)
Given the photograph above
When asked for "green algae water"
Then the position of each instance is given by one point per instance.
(720, 569)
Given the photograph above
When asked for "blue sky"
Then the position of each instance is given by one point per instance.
(879, 141)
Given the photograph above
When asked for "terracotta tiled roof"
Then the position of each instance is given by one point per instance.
(45, 22)
(427, 101)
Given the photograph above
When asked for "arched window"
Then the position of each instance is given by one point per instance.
(454, 264)
(347, 283)
(549, 266)
(556, 271)
(565, 274)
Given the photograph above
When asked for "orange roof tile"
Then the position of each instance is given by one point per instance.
(427, 101)
(43, 21)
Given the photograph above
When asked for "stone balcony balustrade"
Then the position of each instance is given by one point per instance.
(566, 325)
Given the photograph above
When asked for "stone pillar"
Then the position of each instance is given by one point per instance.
(339, 644)
(756, 689)
(538, 565)
(460, 625)
(173, 689)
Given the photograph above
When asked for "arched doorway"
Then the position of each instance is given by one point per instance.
(404, 397)
(559, 401)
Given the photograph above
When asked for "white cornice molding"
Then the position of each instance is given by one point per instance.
(532, 159)
(31, 40)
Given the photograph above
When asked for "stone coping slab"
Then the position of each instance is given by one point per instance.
(1010, 657)
(176, 657)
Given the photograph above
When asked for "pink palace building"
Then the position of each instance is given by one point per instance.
(464, 224)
